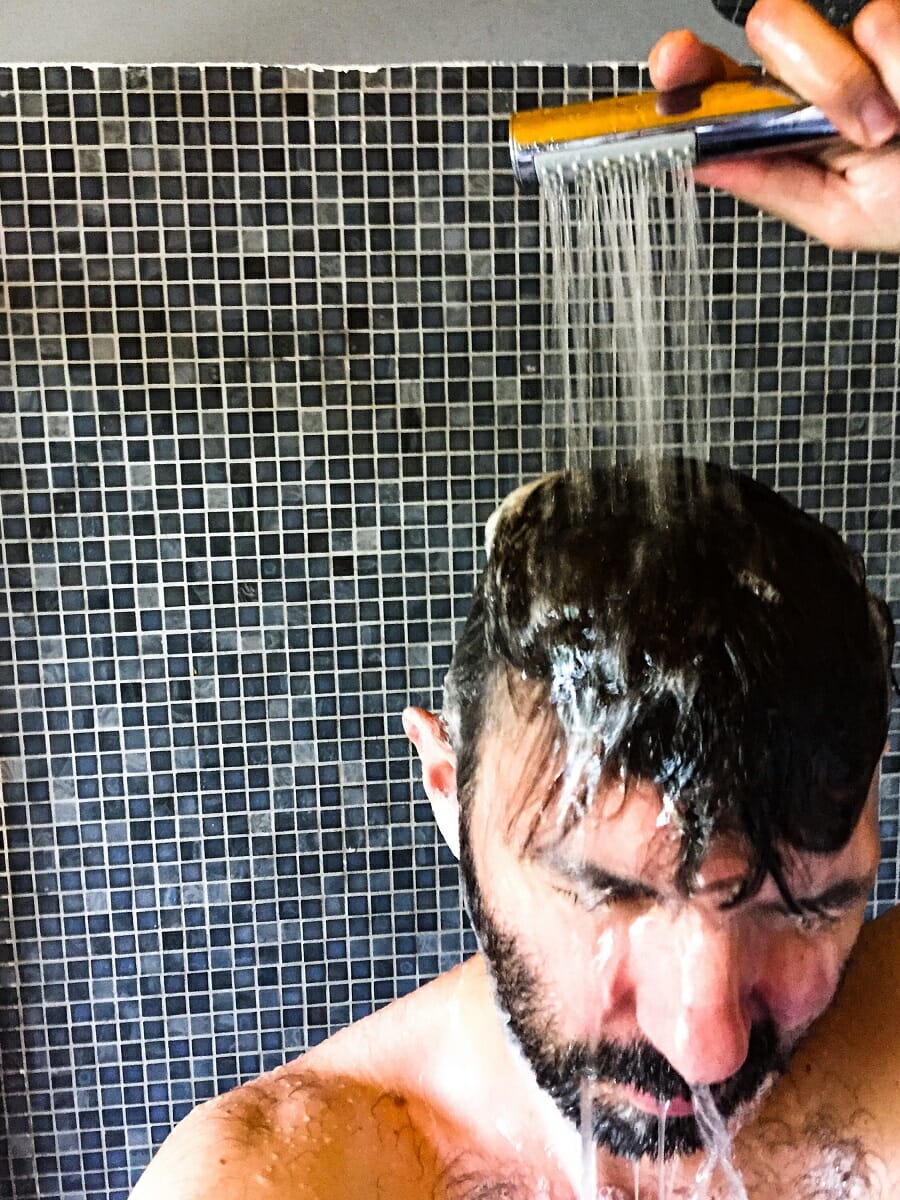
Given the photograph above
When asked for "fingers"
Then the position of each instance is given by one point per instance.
(680, 59)
(803, 193)
(826, 67)
(877, 33)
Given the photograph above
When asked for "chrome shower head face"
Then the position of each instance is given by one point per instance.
(748, 116)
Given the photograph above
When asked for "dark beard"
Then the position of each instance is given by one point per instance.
(561, 1069)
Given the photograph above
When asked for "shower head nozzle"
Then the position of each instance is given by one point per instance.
(722, 120)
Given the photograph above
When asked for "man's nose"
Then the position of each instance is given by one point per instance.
(691, 1000)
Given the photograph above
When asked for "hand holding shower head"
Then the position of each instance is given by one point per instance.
(721, 120)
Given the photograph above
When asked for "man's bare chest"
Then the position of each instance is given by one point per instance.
(382, 1146)
(824, 1165)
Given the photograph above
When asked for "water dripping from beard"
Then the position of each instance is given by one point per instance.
(662, 1185)
(588, 1145)
(717, 1142)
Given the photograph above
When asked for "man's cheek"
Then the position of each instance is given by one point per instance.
(800, 979)
(582, 965)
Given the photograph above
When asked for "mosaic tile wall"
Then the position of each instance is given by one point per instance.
(271, 352)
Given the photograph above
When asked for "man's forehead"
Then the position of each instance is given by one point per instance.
(627, 826)
(534, 804)
(526, 754)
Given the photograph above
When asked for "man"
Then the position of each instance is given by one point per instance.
(657, 764)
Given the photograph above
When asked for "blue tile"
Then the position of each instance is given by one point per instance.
(272, 444)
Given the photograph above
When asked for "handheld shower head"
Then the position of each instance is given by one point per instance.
(718, 121)
(722, 120)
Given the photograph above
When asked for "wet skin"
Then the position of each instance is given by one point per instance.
(429, 1097)
(624, 955)
(617, 954)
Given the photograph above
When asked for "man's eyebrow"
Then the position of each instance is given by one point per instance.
(598, 879)
(842, 894)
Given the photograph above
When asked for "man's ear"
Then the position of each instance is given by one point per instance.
(426, 732)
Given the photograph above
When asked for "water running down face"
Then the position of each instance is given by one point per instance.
(608, 972)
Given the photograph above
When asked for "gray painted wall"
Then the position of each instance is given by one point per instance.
(348, 31)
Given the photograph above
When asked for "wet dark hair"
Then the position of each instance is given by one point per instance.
(735, 653)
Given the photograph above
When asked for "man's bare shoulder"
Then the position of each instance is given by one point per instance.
(835, 1113)
(337, 1122)
(227, 1148)
(286, 1134)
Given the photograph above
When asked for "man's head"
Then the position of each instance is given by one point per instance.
(663, 721)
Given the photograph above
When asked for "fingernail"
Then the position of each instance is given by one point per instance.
(879, 118)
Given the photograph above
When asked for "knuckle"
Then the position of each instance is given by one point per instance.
(756, 20)
(761, 12)
(848, 84)
(766, 15)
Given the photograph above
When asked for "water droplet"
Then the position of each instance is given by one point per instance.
(588, 1148)
(662, 1179)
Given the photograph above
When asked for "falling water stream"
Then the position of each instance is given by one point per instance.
(588, 1150)
(631, 354)
(717, 1141)
(630, 348)
(662, 1181)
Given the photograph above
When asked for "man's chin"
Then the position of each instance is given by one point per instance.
(635, 1128)
(633, 1124)
(629, 1132)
